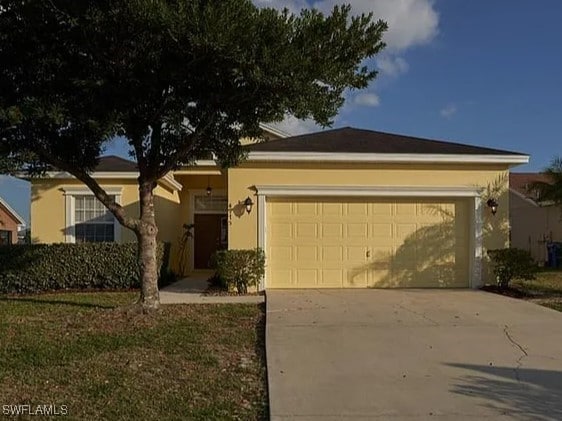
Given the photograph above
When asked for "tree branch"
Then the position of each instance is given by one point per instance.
(136, 143)
(188, 145)
(115, 208)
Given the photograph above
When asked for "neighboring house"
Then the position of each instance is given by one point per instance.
(534, 223)
(337, 209)
(10, 224)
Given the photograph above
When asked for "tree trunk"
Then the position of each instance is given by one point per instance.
(148, 249)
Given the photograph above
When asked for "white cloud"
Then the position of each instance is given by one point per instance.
(392, 66)
(410, 22)
(367, 99)
(293, 5)
(448, 111)
(293, 126)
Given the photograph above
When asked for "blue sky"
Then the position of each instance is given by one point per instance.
(479, 72)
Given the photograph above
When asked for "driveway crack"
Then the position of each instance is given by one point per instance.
(422, 315)
(523, 355)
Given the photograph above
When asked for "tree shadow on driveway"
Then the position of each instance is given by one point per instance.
(522, 393)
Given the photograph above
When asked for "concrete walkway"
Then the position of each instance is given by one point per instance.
(411, 354)
(190, 291)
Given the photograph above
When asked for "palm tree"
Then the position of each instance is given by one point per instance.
(550, 190)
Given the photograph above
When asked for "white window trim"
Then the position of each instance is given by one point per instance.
(469, 192)
(69, 194)
(192, 213)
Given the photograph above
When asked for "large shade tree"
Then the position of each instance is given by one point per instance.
(178, 79)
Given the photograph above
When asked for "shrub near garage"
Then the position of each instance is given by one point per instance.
(240, 269)
(512, 263)
(49, 267)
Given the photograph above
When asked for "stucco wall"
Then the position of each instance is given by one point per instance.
(492, 179)
(532, 226)
(48, 209)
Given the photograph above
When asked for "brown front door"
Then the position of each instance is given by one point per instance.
(210, 236)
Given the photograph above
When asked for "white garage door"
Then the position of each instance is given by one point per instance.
(346, 243)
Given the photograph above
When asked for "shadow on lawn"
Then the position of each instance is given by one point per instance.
(57, 302)
(521, 393)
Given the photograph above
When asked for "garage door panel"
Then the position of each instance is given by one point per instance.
(356, 278)
(332, 254)
(356, 253)
(407, 209)
(354, 209)
(283, 278)
(381, 230)
(281, 230)
(306, 208)
(332, 243)
(306, 230)
(332, 278)
(381, 209)
(282, 209)
(307, 254)
(404, 230)
(307, 277)
(357, 230)
(336, 209)
(332, 230)
(283, 254)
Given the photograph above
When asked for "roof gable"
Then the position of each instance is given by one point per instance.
(112, 163)
(15, 216)
(351, 140)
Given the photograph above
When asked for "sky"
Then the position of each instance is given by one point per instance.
(480, 72)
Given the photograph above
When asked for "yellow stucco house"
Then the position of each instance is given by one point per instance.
(344, 208)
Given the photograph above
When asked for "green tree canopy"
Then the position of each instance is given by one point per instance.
(178, 79)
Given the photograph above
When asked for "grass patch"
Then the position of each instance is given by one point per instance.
(545, 290)
(84, 351)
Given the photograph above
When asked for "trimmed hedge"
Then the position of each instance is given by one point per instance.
(240, 269)
(512, 263)
(49, 267)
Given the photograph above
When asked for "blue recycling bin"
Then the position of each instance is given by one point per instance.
(554, 252)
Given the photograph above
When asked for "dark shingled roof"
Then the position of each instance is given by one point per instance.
(350, 140)
(112, 163)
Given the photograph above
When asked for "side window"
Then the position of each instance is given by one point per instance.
(5, 237)
(93, 222)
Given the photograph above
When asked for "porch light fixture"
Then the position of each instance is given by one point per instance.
(209, 188)
(493, 205)
(248, 204)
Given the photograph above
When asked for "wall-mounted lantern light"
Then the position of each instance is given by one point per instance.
(493, 205)
(248, 204)
(209, 188)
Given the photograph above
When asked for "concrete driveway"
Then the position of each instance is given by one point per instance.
(411, 354)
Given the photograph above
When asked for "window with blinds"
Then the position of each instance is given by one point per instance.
(93, 222)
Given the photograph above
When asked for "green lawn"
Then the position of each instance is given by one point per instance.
(84, 351)
(545, 290)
